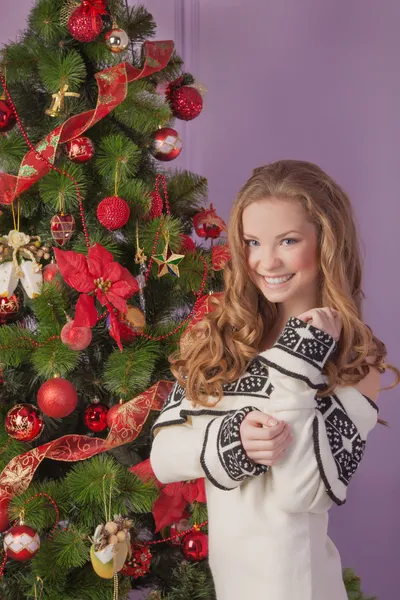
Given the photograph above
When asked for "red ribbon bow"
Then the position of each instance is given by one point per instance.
(94, 8)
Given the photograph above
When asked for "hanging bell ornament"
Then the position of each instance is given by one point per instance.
(57, 105)
(117, 40)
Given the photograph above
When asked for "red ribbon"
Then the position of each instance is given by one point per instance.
(94, 8)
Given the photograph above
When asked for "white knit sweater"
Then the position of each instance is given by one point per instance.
(268, 526)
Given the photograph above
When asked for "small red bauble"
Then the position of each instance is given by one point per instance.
(21, 543)
(95, 416)
(167, 144)
(82, 26)
(11, 307)
(4, 514)
(76, 338)
(57, 398)
(79, 150)
(49, 272)
(62, 227)
(24, 422)
(212, 231)
(195, 545)
(7, 117)
(113, 212)
(186, 103)
(112, 414)
(139, 563)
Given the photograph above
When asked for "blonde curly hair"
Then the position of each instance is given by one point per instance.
(226, 340)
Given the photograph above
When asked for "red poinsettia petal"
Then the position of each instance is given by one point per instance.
(175, 489)
(115, 330)
(194, 491)
(98, 260)
(85, 312)
(74, 269)
(168, 510)
(117, 301)
(125, 289)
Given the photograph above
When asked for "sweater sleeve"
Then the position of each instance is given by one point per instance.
(329, 432)
(191, 444)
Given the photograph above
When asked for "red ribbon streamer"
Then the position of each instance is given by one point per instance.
(113, 85)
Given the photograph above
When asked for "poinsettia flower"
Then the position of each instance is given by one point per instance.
(171, 505)
(99, 275)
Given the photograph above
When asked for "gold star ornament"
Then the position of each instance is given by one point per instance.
(168, 262)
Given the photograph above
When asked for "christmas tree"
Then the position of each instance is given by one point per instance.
(99, 278)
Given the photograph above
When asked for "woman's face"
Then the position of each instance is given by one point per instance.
(282, 252)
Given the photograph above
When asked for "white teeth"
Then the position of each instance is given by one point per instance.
(276, 280)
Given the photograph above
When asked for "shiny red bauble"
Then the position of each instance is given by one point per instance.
(4, 513)
(57, 398)
(113, 212)
(11, 307)
(167, 144)
(79, 150)
(83, 27)
(76, 338)
(62, 227)
(112, 414)
(95, 416)
(21, 543)
(24, 422)
(186, 103)
(50, 272)
(7, 117)
(195, 546)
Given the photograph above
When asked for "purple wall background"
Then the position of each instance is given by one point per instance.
(317, 81)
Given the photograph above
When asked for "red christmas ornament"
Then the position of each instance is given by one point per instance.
(11, 307)
(57, 398)
(7, 117)
(195, 546)
(21, 543)
(113, 212)
(79, 150)
(167, 144)
(112, 414)
(187, 246)
(95, 416)
(24, 422)
(139, 563)
(186, 102)
(4, 514)
(76, 338)
(50, 272)
(62, 227)
(220, 255)
(85, 23)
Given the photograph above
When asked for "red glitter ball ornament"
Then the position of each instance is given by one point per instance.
(21, 543)
(80, 150)
(62, 227)
(113, 212)
(186, 103)
(139, 563)
(24, 422)
(83, 26)
(4, 514)
(76, 338)
(57, 398)
(7, 117)
(195, 546)
(95, 416)
(167, 144)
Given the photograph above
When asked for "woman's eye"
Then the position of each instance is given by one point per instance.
(290, 241)
(251, 243)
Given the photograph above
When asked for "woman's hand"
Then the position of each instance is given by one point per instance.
(326, 319)
(264, 439)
